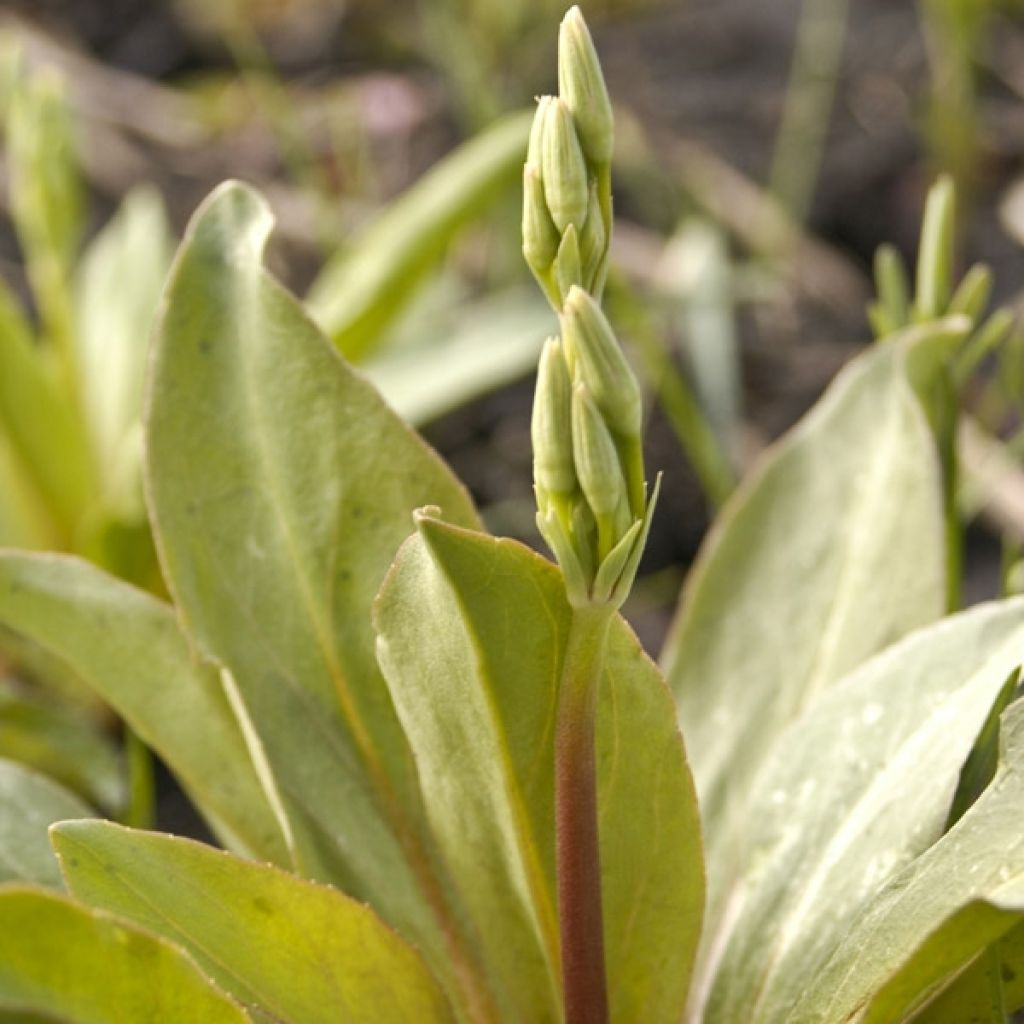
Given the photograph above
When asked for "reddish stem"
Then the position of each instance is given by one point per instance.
(576, 833)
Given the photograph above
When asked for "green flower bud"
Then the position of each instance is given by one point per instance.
(563, 168)
(567, 264)
(581, 84)
(593, 244)
(597, 461)
(935, 252)
(535, 146)
(594, 357)
(551, 424)
(540, 239)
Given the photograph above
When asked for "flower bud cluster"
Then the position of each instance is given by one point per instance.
(586, 428)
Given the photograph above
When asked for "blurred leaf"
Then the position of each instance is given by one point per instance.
(127, 646)
(281, 486)
(304, 953)
(40, 425)
(69, 963)
(29, 804)
(24, 520)
(118, 286)
(933, 919)
(362, 290)
(45, 196)
(854, 791)
(830, 551)
(495, 342)
(64, 744)
(472, 633)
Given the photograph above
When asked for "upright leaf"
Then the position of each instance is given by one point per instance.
(302, 952)
(472, 633)
(29, 804)
(361, 291)
(118, 286)
(281, 486)
(66, 962)
(939, 913)
(127, 647)
(853, 794)
(832, 550)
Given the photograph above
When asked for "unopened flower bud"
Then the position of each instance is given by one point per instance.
(597, 461)
(551, 423)
(596, 358)
(582, 86)
(568, 271)
(593, 243)
(540, 238)
(535, 146)
(563, 168)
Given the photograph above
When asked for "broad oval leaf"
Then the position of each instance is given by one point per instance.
(935, 917)
(300, 951)
(855, 791)
(472, 632)
(127, 647)
(29, 804)
(830, 551)
(67, 962)
(280, 487)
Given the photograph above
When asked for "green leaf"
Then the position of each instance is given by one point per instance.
(70, 963)
(281, 486)
(854, 792)
(361, 291)
(63, 743)
(975, 997)
(117, 289)
(41, 427)
(127, 646)
(29, 804)
(886, 747)
(472, 632)
(303, 952)
(934, 918)
(813, 566)
(496, 341)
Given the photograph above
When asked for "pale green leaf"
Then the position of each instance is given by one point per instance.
(854, 792)
(29, 804)
(41, 427)
(494, 343)
(62, 960)
(472, 632)
(301, 951)
(117, 288)
(935, 917)
(361, 291)
(831, 550)
(63, 743)
(281, 486)
(128, 648)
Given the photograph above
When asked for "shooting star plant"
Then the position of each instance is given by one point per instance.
(592, 506)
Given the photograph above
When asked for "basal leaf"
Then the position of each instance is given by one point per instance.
(471, 636)
(280, 487)
(855, 791)
(830, 551)
(66, 962)
(118, 286)
(302, 952)
(29, 804)
(360, 292)
(936, 916)
(41, 428)
(128, 648)
(62, 743)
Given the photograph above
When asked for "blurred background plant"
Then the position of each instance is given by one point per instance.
(764, 152)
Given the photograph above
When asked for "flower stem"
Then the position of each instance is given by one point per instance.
(576, 833)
